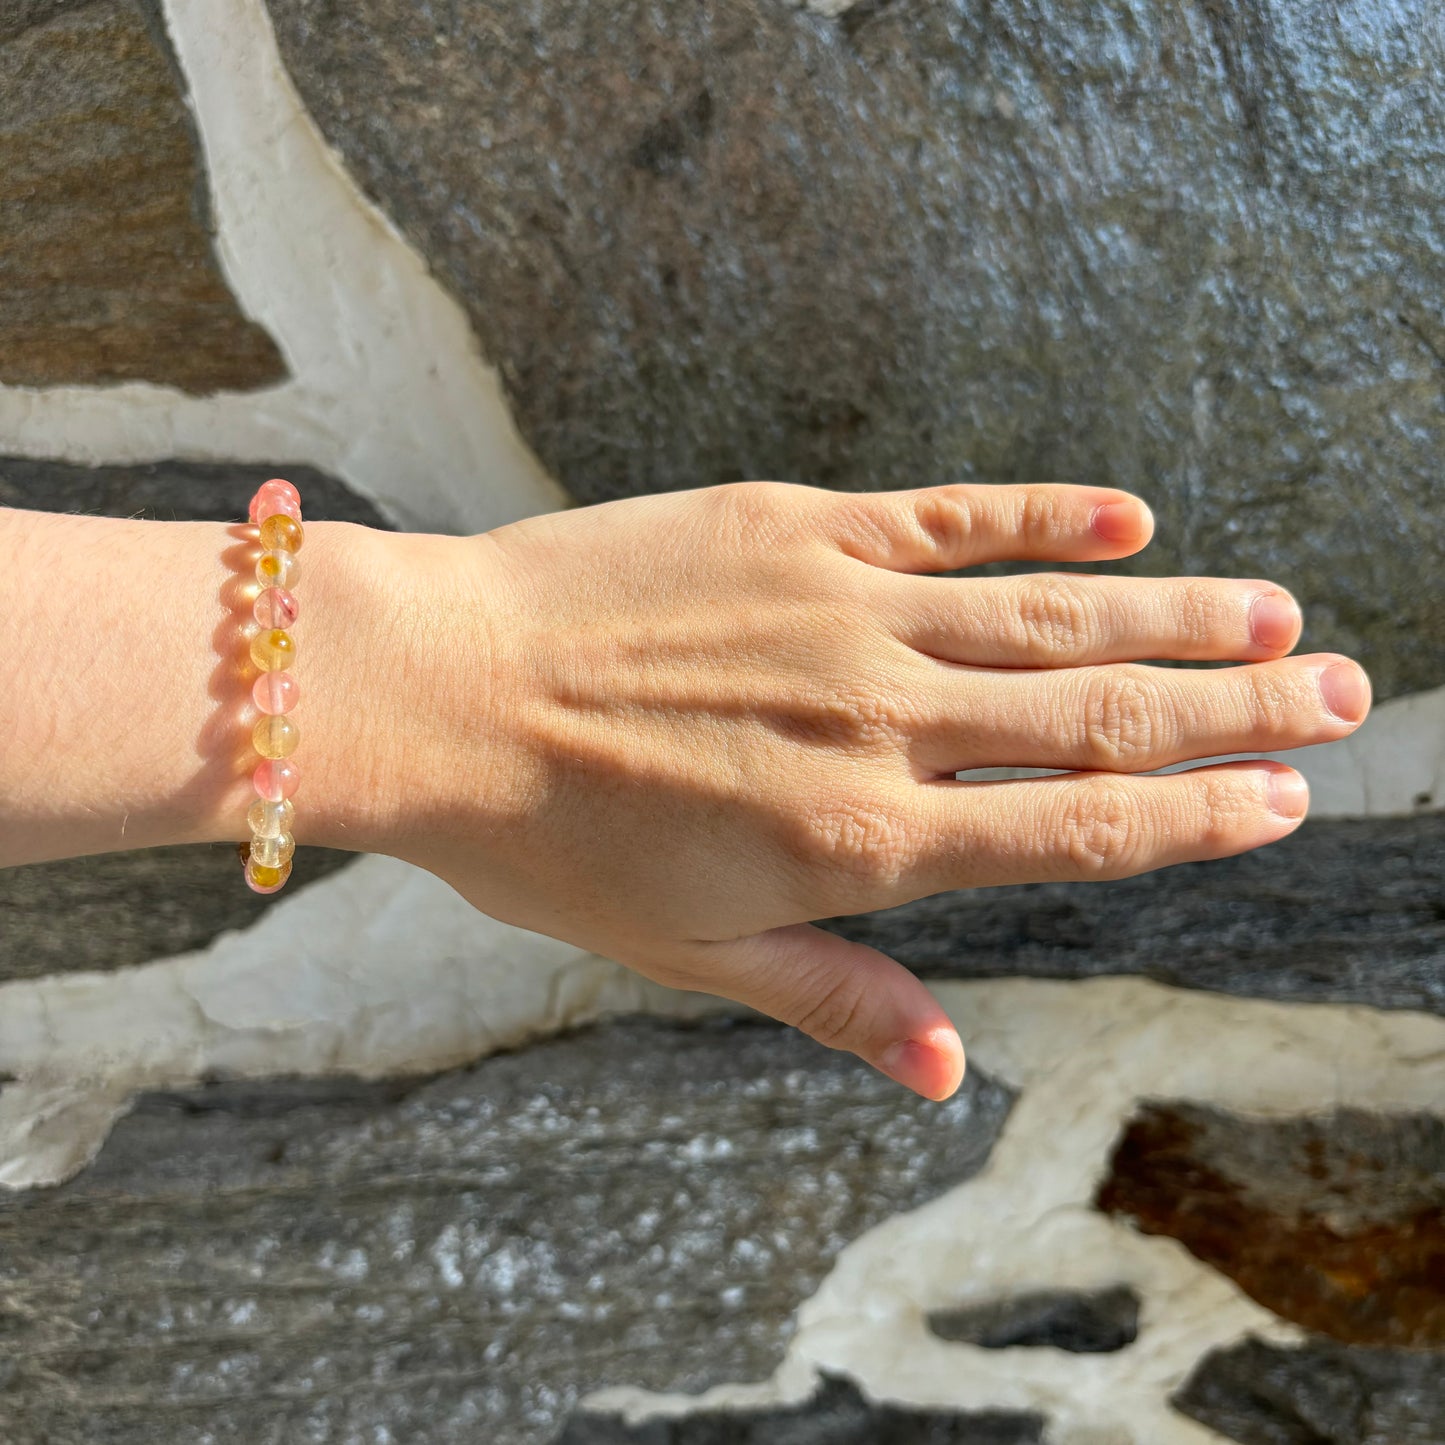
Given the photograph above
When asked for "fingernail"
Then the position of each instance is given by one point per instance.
(1273, 618)
(1346, 691)
(1289, 794)
(1117, 521)
(917, 1067)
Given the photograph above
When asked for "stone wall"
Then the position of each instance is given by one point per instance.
(435, 1179)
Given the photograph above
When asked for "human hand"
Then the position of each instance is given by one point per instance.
(678, 727)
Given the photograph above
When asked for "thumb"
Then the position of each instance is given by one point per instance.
(843, 994)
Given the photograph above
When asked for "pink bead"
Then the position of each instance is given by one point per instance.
(275, 692)
(269, 506)
(282, 488)
(275, 607)
(276, 778)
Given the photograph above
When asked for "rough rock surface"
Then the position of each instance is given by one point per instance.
(1083, 1324)
(837, 1415)
(1193, 250)
(1335, 1222)
(1344, 910)
(1318, 1394)
(458, 1260)
(106, 267)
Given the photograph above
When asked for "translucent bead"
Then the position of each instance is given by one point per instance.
(269, 820)
(275, 606)
(266, 880)
(281, 487)
(275, 692)
(275, 779)
(276, 569)
(281, 533)
(275, 737)
(273, 649)
(272, 852)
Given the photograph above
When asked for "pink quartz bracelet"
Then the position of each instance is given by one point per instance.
(276, 511)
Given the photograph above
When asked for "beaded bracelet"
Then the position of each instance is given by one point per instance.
(276, 511)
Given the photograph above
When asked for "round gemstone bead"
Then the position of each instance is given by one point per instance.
(272, 852)
(276, 569)
(275, 606)
(275, 779)
(269, 820)
(281, 533)
(266, 880)
(275, 737)
(273, 649)
(271, 505)
(279, 486)
(275, 692)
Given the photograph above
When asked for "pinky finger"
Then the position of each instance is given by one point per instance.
(1101, 825)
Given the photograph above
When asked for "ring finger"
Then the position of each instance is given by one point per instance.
(1060, 619)
(1130, 717)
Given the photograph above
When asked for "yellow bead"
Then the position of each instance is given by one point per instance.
(272, 649)
(277, 569)
(282, 533)
(270, 820)
(266, 877)
(272, 852)
(275, 737)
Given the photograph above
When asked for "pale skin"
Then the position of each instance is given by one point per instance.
(675, 729)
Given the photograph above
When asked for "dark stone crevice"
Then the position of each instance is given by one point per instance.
(1085, 1323)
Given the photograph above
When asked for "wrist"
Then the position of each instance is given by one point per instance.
(392, 657)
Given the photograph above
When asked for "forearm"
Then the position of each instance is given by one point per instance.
(126, 705)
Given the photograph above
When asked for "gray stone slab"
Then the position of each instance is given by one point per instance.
(1193, 250)
(837, 1415)
(1347, 910)
(107, 271)
(458, 1260)
(1318, 1394)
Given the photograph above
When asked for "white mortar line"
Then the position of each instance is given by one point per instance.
(388, 391)
(1084, 1054)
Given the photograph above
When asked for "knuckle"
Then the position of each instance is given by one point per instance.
(1054, 616)
(1201, 613)
(1042, 519)
(1223, 812)
(757, 511)
(850, 719)
(947, 519)
(1121, 720)
(1101, 828)
(861, 840)
(833, 1018)
(1270, 700)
